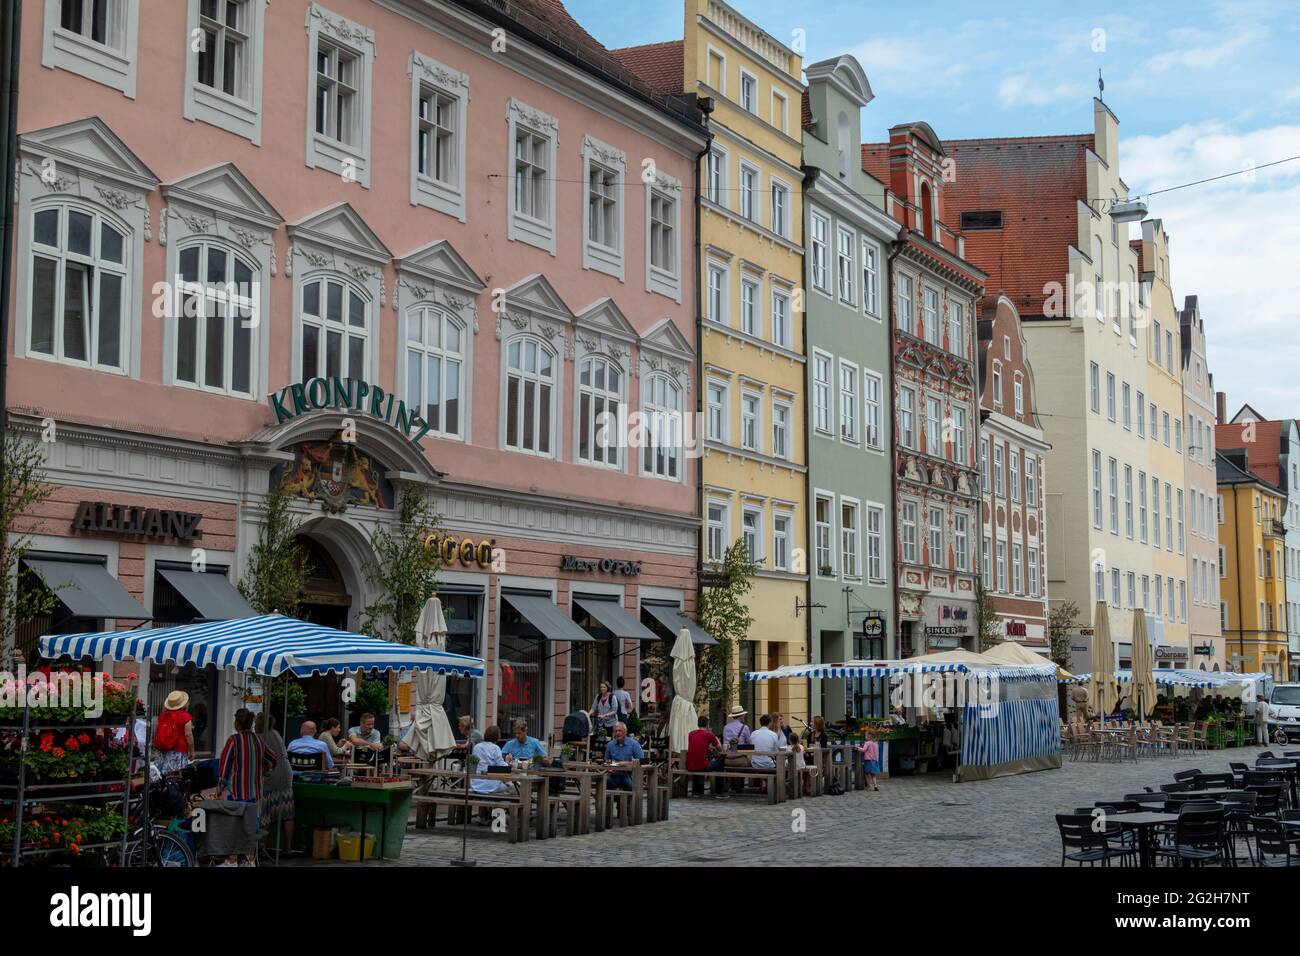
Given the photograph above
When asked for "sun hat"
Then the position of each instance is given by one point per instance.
(176, 700)
(738, 712)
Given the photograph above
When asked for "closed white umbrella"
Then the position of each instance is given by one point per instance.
(1143, 692)
(430, 729)
(682, 718)
(1102, 695)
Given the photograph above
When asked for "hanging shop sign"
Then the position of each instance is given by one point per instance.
(147, 522)
(348, 394)
(873, 625)
(465, 551)
(1166, 653)
(1204, 650)
(629, 569)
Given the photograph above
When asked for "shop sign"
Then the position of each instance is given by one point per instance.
(713, 579)
(1204, 650)
(948, 613)
(1166, 653)
(873, 626)
(148, 522)
(466, 551)
(629, 569)
(349, 394)
(1016, 629)
(945, 630)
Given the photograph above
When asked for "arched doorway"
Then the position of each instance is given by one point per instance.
(324, 600)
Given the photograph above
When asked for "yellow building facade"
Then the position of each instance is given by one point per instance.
(752, 337)
(1253, 584)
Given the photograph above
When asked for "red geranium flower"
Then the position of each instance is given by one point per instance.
(58, 752)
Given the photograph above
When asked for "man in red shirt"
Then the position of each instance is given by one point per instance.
(704, 754)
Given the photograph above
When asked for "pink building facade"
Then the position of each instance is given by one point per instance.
(352, 247)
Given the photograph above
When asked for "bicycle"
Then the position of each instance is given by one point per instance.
(154, 844)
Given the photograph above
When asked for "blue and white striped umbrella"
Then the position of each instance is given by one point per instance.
(270, 645)
(1169, 678)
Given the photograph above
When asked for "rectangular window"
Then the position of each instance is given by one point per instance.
(822, 392)
(910, 553)
(937, 556)
(1002, 567)
(716, 303)
(957, 341)
(1094, 387)
(663, 234)
(818, 252)
(903, 302)
(1131, 580)
(907, 417)
(1015, 474)
(1020, 396)
(534, 156)
(870, 278)
(781, 541)
(1181, 541)
(959, 436)
(1142, 506)
(997, 383)
(1110, 396)
(1171, 608)
(1114, 588)
(1017, 582)
(986, 565)
(1099, 583)
(848, 402)
(748, 192)
(1165, 422)
(1126, 406)
(749, 294)
(1128, 502)
(781, 318)
(1178, 435)
(999, 476)
(748, 92)
(751, 532)
(844, 243)
(717, 531)
(750, 426)
(780, 110)
(1113, 476)
(824, 519)
(1155, 511)
(780, 209)
(961, 540)
(1096, 489)
(1146, 592)
(1033, 572)
(850, 556)
(933, 417)
(873, 388)
(1155, 433)
(930, 315)
(1169, 517)
(875, 543)
(781, 412)
(717, 411)
(603, 225)
(717, 177)
(1141, 419)
(1031, 481)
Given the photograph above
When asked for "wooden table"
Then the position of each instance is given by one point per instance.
(591, 785)
(427, 777)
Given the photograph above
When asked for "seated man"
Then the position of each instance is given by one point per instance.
(308, 744)
(621, 751)
(365, 739)
(521, 747)
(704, 754)
(765, 741)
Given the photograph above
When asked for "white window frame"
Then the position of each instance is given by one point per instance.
(716, 181)
(957, 333)
(751, 425)
(750, 323)
(1013, 466)
(1097, 517)
(665, 282)
(758, 553)
(780, 211)
(1017, 568)
(241, 115)
(930, 328)
(870, 253)
(961, 540)
(598, 156)
(660, 416)
(229, 297)
(747, 205)
(909, 521)
(1001, 557)
(522, 227)
(940, 529)
(782, 523)
(846, 266)
(782, 449)
(1033, 572)
(444, 357)
(781, 316)
(719, 529)
(724, 409)
(875, 551)
(717, 296)
(819, 266)
(907, 430)
(430, 76)
(1031, 481)
(999, 472)
(873, 403)
(752, 86)
(850, 412)
(823, 393)
(904, 302)
(617, 396)
(113, 63)
(352, 161)
(851, 539)
(826, 529)
(324, 278)
(557, 392)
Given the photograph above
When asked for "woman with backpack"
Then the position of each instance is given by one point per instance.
(604, 709)
(173, 738)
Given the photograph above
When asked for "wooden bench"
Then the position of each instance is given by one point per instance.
(513, 804)
(622, 799)
(571, 802)
(774, 779)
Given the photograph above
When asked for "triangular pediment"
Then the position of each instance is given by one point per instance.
(341, 227)
(664, 336)
(441, 262)
(225, 189)
(606, 317)
(535, 294)
(90, 145)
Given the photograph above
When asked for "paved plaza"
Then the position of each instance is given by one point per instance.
(912, 821)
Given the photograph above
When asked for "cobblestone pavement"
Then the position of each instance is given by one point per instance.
(912, 821)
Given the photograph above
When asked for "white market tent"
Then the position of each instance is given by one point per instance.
(1009, 722)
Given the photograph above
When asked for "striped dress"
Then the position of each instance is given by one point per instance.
(243, 761)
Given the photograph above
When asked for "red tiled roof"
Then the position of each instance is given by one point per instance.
(658, 64)
(805, 112)
(1262, 454)
(875, 160)
(1036, 182)
(553, 13)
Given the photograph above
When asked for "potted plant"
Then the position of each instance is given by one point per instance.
(372, 698)
(292, 692)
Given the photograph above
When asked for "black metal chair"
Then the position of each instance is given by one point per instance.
(1216, 781)
(1241, 809)
(1239, 771)
(1081, 844)
(1196, 839)
(1176, 787)
(1119, 806)
(1268, 801)
(1186, 775)
(1272, 849)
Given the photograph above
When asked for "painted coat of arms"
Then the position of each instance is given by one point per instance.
(336, 474)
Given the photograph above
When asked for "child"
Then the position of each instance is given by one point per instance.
(871, 758)
(801, 766)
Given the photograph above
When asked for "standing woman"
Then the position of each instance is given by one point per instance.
(173, 738)
(244, 762)
(277, 796)
(604, 709)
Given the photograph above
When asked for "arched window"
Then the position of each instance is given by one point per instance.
(662, 410)
(927, 211)
(600, 396)
(1099, 282)
(335, 329)
(843, 145)
(530, 396)
(214, 327)
(79, 271)
(435, 361)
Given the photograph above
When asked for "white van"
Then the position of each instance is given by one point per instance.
(1284, 714)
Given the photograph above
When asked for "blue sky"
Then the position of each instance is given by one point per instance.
(1200, 88)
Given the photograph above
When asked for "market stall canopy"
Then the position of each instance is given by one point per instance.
(87, 589)
(212, 595)
(269, 645)
(1011, 652)
(610, 615)
(671, 617)
(540, 611)
(974, 664)
(1166, 677)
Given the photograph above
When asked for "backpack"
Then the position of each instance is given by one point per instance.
(835, 789)
(168, 735)
(168, 798)
(577, 727)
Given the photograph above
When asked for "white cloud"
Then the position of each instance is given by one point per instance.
(1201, 50)
(1232, 243)
(1023, 90)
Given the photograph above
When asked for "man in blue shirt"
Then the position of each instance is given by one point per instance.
(521, 747)
(622, 750)
(308, 744)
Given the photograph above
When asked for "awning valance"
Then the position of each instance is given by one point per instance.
(209, 593)
(610, 615)
(87, 589)
(541, 612)
(269, 645)
(671, 617)
(1046, 671)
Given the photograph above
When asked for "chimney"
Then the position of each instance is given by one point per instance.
(1220, 407)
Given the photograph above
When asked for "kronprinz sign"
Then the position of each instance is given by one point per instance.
(350, 394)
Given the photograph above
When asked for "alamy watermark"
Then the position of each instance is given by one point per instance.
(74, 690)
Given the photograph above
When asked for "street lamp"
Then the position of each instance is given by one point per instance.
(1128, 210)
